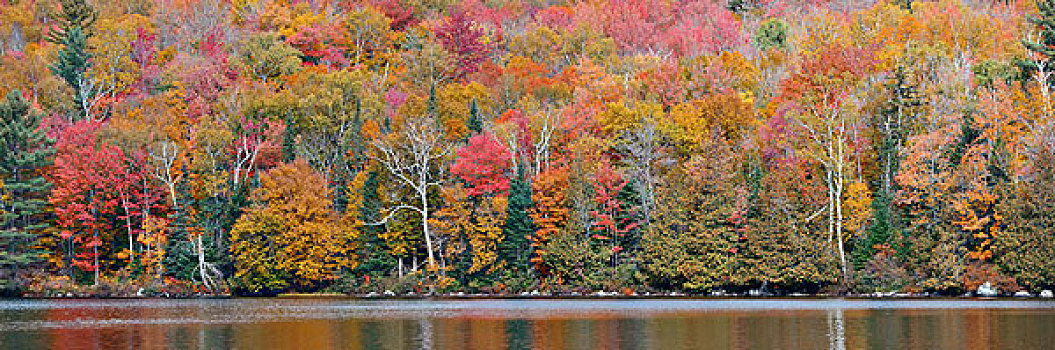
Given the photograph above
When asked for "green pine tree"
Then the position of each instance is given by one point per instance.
(474, 123)
(515, 248)
(357, 143)
(71, 14)
(191, 216)
(289, 140)
(72, 64)
(23, 196)
(900, 109)
(1045, 46)
(374, 259)
(432, 105)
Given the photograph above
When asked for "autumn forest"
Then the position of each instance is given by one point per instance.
(259, 147)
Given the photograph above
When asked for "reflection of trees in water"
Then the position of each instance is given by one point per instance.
(836, 330)
(519, 334)
(285, 324)
(426, 334)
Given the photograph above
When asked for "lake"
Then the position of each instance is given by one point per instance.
(527, 324)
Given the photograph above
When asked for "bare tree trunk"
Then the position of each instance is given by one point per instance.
(425, 228)
(409, 159)
(95, 254)
(128, 227)
(201, 263)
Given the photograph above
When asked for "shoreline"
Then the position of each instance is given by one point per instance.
(541, 296)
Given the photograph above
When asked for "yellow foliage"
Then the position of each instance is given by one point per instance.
(291, 237)
(154, 241)
(328, 99)
(618, 117)
(857, 202)
(369, 36)
(453, 107)
(474, 226)
(111, 50)
(692, 121)
(551, 211)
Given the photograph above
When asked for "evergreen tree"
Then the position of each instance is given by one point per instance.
(899, 110)
(630, 221)
(180, 256)
(289, 140)
(23, 196)
(69, 15)
(1045, 46)
(514, 248)
(357, 143)
(474, 123)
(71, 66)
(432, 105)
(373, 257)
(192, 216)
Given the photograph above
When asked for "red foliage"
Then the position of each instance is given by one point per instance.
(394, 99)
(525, 146)
(144, 54)
(205, 76)
(704, 27)
(92, 184)
(254, 147)
(825, 76)
(666, 82)
(635, 24)
(402, 16)
(491, 16)
(319, 42)
(464, 39)
(554, 17)
(610, 217)
(482, 164)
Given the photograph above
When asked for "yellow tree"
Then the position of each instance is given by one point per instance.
(551, 210)
(472, 227)
(290, 238)
(369, 36)
(113, 66)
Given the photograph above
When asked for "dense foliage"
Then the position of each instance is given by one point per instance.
(270, 146)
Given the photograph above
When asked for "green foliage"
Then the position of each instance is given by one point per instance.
(1044, 46)
(23, 188)
(266, 56)
(989, 72)
(772, 34)
(70, 14)
(375, 257)
(1027, 249)
(574, 262)
(515, 248)
(693, 242)
(666, 145)
(474, 124)
(73, 62)
(289, 140)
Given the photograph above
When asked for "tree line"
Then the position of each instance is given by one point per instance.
(258, 147)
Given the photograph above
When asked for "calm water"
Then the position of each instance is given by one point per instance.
(527, 324)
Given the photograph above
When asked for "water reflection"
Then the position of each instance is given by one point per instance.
(836, 330)
(299, 324)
